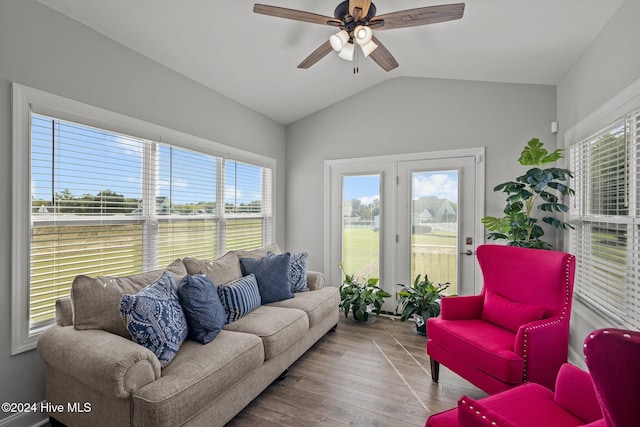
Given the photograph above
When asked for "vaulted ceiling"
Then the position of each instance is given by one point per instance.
(253, 58)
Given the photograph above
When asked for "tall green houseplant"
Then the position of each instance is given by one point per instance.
(534, 194)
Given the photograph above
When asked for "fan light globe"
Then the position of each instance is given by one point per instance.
(347, 52)
(363, 34)
(339, 40)
(367, 48)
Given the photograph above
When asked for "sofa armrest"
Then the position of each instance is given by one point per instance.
(104, 361)
(64, 311)
(575, 393)
(315, 280)
(544, 345)
(462, 307)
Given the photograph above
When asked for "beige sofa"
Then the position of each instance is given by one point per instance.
(89, 360)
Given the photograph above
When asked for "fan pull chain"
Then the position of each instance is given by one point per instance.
(356, 69)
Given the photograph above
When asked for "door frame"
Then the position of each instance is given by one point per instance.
(388, 166)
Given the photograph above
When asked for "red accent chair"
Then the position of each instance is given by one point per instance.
(613, 358)
(609, 397)
(516, 330)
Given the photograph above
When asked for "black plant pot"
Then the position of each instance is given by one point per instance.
(367, 318)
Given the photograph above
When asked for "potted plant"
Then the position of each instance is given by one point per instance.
(361, 298)
(422, 300)
(534, 193)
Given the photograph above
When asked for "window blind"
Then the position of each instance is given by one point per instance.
(246, 205)
(104, 203)
(86, 187)
(186, 204)
(606, 215)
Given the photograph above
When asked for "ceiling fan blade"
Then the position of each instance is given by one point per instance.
(359, 7)
(382, 56)
(419, 16)
(316, 55)
(296, 15)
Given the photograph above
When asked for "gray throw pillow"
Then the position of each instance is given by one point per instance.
(272, 275)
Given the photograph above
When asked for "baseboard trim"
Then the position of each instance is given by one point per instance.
(25, 419)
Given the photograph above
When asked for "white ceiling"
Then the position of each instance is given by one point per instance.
(253, 58)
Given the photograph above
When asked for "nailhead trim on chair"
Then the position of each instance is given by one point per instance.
(484, 417)
(525, 336)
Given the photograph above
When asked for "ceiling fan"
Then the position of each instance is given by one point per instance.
(356, 19)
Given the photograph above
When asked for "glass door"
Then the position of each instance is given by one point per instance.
(436, 202)
(361, 225)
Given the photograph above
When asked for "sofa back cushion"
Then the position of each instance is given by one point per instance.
(222, 270)
(96, 300)
(260, 252)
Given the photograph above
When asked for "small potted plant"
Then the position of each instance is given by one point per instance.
(361, 298)
(422, 300)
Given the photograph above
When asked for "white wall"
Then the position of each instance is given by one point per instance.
(407, 115)
(45, 50)
(610, 64)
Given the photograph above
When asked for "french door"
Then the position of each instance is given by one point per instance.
(436, 222)
(393, 217)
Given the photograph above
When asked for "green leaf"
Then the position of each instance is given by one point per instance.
(553, 207)
(497, 236)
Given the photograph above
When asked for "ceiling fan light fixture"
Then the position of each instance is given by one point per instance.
(339, 40)
(347, 52)
(362, 34)
(367, 48)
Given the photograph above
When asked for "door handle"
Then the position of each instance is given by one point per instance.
(468, 252)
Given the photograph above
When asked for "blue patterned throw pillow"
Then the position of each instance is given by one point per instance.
(297, 271)
(155, 319)
(272, 275)
(239, 297)
(202, 307)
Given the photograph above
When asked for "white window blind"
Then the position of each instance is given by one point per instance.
(103, 203)
(606, 215)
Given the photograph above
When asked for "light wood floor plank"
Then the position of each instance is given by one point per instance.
(360, 375)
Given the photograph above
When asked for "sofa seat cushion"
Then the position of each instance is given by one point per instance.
(488, 347)
(197, 376)
(279, 328)
(318, 304)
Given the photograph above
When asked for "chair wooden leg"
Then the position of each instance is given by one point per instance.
(435, 369)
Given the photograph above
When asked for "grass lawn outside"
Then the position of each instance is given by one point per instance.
(433, 254)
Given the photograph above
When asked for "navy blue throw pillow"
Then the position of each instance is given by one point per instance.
(202, 307)
(297, 271)
(272, 275)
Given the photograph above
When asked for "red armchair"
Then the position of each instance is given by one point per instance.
(516, 330)
(607, 397)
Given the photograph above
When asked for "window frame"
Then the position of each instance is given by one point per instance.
(25, 101)
(598, 121)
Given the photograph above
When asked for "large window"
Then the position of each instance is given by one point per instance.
(100, 201)
(606, 214)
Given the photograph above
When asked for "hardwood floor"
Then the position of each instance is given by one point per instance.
(360, 375)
